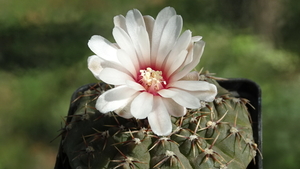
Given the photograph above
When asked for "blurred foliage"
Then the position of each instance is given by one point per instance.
(42, 46)
(289, 26)
(43, 52)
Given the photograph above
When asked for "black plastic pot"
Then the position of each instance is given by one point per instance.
(244, 88)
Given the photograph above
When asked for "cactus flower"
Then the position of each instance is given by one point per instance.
(150, 68)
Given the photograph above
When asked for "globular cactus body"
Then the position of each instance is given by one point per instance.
(218, 136)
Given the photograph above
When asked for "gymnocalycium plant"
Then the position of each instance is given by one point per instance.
(151, 110)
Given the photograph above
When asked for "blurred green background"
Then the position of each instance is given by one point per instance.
(43, 53)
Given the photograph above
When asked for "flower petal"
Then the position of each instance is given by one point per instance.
(197, 53)
(181, 97)
(194, 53)
(128, 63)
(125, 43)
(141, 44)
(137, 31)
(167, 93)
(159, 119)
(134, 18)
(196, 38)
(202, 90)
(168, 38)
(194, 75)
(119, 93)
(105, 106)
(177, 62)
(119, 21)
(174, 108)
(94, 65)
(142, 105)
(191, 85)
(159, 25)
(103, 48)
(114, 65)
(207, 96)
(149, 23)
(134, 85)
(125, 111)
(181, 44)
(114, 76)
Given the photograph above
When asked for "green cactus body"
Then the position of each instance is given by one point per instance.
(218, 136)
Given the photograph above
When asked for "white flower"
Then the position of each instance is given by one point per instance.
(150, 65)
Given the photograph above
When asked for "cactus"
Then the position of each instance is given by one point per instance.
(218, 135)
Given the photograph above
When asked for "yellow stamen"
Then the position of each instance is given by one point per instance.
(152, 80)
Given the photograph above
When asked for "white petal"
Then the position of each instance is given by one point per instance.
(185, 99)
(202, 90)
(191, 85)
(105, 106)
(114, 65)
(125, 43)
(181, 97)
(189, 58)
(183, 41)
(124, 112)
(194, 75)
(196, 38)
(134, 18)
(208, 95)
(181, 44)
(159, 25)
(149, 23)
(168, 38)
(128, 63)
(94, 65)
(144, 45)
(159, 119)
(177, 62)
(134, 85)
(103, 48)
(174, 108)
(137, 31)
(119, 21)
(119, 93)
(197, 53)
(114, 76)
(167, 93)
(142, 105)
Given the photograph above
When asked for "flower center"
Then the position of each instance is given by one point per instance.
(152, 80)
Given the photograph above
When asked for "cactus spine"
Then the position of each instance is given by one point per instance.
(218, 135)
